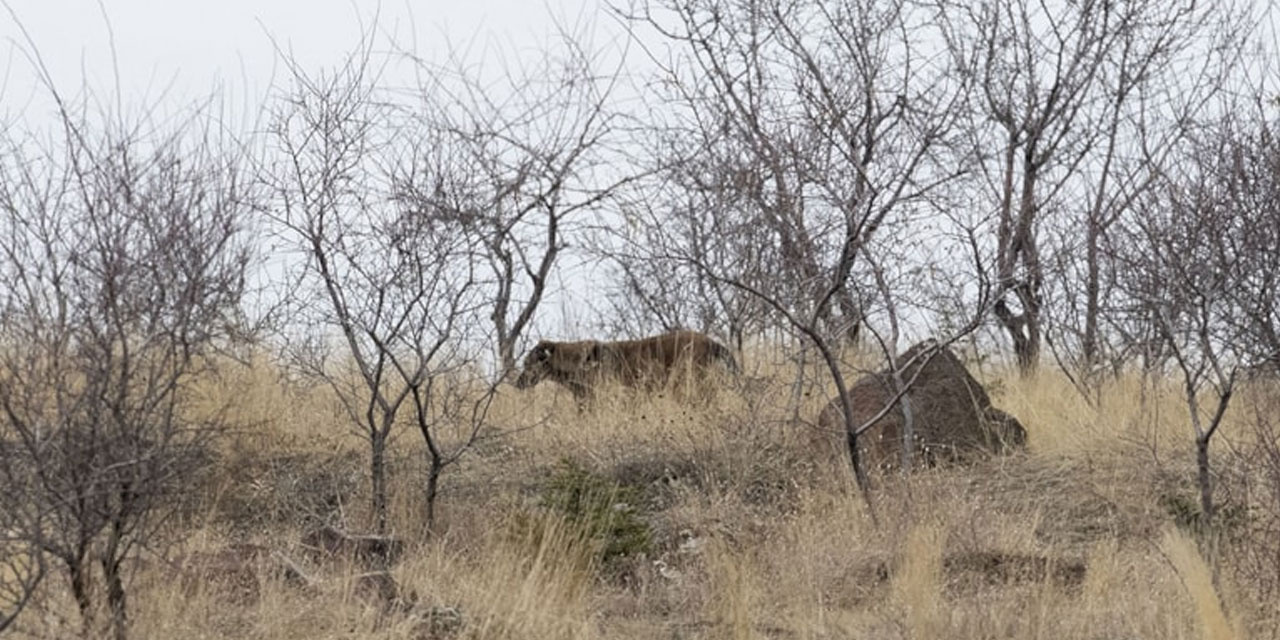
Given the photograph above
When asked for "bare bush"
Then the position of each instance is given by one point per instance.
(528, 158)
(1257, 552)
(1076, 109)
(800, 144)
(124, 251)
(790, 137)
(387, 281)
(1191, 263)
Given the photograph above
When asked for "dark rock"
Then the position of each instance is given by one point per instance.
(952, 413)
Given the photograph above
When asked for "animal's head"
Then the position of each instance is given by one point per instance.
(559, 361)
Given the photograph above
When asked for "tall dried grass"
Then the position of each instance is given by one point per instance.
(754, 535)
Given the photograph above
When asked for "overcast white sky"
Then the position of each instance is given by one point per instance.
(170, 53)
(181, 50)
(177, 51)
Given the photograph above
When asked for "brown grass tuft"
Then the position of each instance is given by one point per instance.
(1197, 580)
(917, 583)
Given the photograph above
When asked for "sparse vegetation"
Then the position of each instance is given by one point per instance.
(733, 528)
(819, 183)
(607, 512)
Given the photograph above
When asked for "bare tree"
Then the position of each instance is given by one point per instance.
(532, 151)
(124, 252)
(1182, 262)
(1167, 66)
(809, 123)
(1038, 68)
(796, 136)
(1250, 161)
(389, 275)
(675, 294)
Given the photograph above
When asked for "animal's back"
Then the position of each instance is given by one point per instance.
(655, 358)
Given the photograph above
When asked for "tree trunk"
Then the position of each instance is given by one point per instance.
(1029, 354)
(433, 485)
(1025, 349)
(846, 413)
(852, 316)
(378, 475)
(1018, 261)
(908, 427)
(115, 594)
(507, 354)
(1206, 487)
(859, 473)
(1089, 343)
(78, 571)
(1025, 251)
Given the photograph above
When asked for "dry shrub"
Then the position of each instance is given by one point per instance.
(256, 492)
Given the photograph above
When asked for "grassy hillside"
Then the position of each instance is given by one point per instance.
(652, 518)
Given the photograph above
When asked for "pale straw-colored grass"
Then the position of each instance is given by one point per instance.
(754, 535)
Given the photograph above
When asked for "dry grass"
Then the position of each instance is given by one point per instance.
(753, 535)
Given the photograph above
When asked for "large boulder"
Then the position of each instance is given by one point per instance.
(952, 414)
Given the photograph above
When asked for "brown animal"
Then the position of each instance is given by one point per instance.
(646, 364)
(952, 414)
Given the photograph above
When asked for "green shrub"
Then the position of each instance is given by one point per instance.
(608, 513)
(1186, 514)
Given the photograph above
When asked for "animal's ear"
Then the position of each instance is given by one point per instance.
(542, 352)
